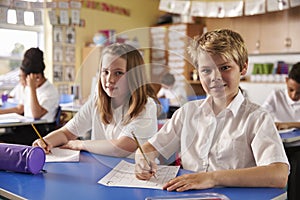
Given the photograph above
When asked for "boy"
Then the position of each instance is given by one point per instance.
(225, 139)
(284, 104)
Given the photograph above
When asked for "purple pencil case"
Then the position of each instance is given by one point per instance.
(21, 158)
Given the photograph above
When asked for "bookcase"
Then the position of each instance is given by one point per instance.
(168, 53)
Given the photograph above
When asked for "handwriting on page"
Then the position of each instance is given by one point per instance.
(123, 175)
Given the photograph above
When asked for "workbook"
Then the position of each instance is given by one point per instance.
(63, 155)
(123, 175)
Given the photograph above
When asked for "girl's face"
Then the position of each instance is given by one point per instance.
(220, 78)
(113, 79)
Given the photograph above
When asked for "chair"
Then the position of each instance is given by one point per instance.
(57, 117)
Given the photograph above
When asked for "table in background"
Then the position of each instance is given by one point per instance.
(78, 180)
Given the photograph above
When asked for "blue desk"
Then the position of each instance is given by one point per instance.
(79, 181)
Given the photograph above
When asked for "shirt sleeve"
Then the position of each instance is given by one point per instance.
(143, 126)
(267, 145)
(167, 140)
(82, 121)
(270, 103)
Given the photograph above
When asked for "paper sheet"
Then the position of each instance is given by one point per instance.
(63, 155)
(14, 118)
(123, 175)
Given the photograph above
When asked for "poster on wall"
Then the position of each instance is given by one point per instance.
(64, 17)
(57, 73)
(69, 73)
(255, 7)
(57, 34)
(70, 35)
(57, 53)
(3, 15)
(294, 3)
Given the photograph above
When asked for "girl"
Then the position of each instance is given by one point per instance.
(124, 104)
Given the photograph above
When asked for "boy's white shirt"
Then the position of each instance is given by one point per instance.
(281, 107)
(243, 135)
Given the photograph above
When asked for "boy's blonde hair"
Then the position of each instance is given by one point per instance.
(224, 42)
(139, 88)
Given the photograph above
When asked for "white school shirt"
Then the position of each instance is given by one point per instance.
(48, 97)
(281, 107)
(243, 135)
(144, 125)
(176, 95)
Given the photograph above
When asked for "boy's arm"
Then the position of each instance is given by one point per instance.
(287, 125)
(142, 169)
(273, 175)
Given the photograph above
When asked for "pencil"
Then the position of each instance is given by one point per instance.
(39, 135)
(140, 148)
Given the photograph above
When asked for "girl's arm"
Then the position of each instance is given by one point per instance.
(122, 147)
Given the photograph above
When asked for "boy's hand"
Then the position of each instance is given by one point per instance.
(190, 181)
(142, 170)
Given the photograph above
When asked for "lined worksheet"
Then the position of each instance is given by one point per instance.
(63, 155)
(123, 175)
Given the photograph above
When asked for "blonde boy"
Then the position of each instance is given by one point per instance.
(225, 139)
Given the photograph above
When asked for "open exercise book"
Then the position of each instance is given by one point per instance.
(63, 155)
(123, 175)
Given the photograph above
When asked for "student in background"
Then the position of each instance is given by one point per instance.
(40, 100)
(17, 92)
(124, 104)
(173, 92)
(284, 106)
(225, 139)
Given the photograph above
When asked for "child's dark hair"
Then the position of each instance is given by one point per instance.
(295, 72)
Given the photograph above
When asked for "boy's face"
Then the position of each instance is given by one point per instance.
(220, 78)
(293, 89)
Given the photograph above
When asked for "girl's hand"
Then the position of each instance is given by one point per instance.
(74, 145)
(39, 143)
(190, 181)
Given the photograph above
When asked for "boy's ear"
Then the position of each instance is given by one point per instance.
(244, 70)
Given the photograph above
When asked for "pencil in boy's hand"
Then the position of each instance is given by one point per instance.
(140, 148)
(39, 135)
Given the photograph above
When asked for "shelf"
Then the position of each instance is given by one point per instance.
(194, 82)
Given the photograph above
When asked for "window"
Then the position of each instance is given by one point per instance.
(15, 40)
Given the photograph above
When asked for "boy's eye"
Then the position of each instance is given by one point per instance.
(223, 68)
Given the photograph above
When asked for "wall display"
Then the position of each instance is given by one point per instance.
(221, 9)
(64, 38)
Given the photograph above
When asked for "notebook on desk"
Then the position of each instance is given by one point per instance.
(291, 136)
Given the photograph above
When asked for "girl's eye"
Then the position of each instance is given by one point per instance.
(119, 73)
(205, 71)
(104, 72)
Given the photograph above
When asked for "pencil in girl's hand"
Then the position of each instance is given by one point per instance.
(39, 135)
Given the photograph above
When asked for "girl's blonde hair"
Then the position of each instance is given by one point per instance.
(223, 42)
(139, 88)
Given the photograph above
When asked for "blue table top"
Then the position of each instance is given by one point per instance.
(78, 180)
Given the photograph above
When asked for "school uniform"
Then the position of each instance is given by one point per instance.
(87, 119)
(242, 135)
(281, 107)
(48, 98)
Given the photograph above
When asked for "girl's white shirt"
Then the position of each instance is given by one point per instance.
(88, 119)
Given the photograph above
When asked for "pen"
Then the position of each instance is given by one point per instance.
(39, 135)
(140, 148)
